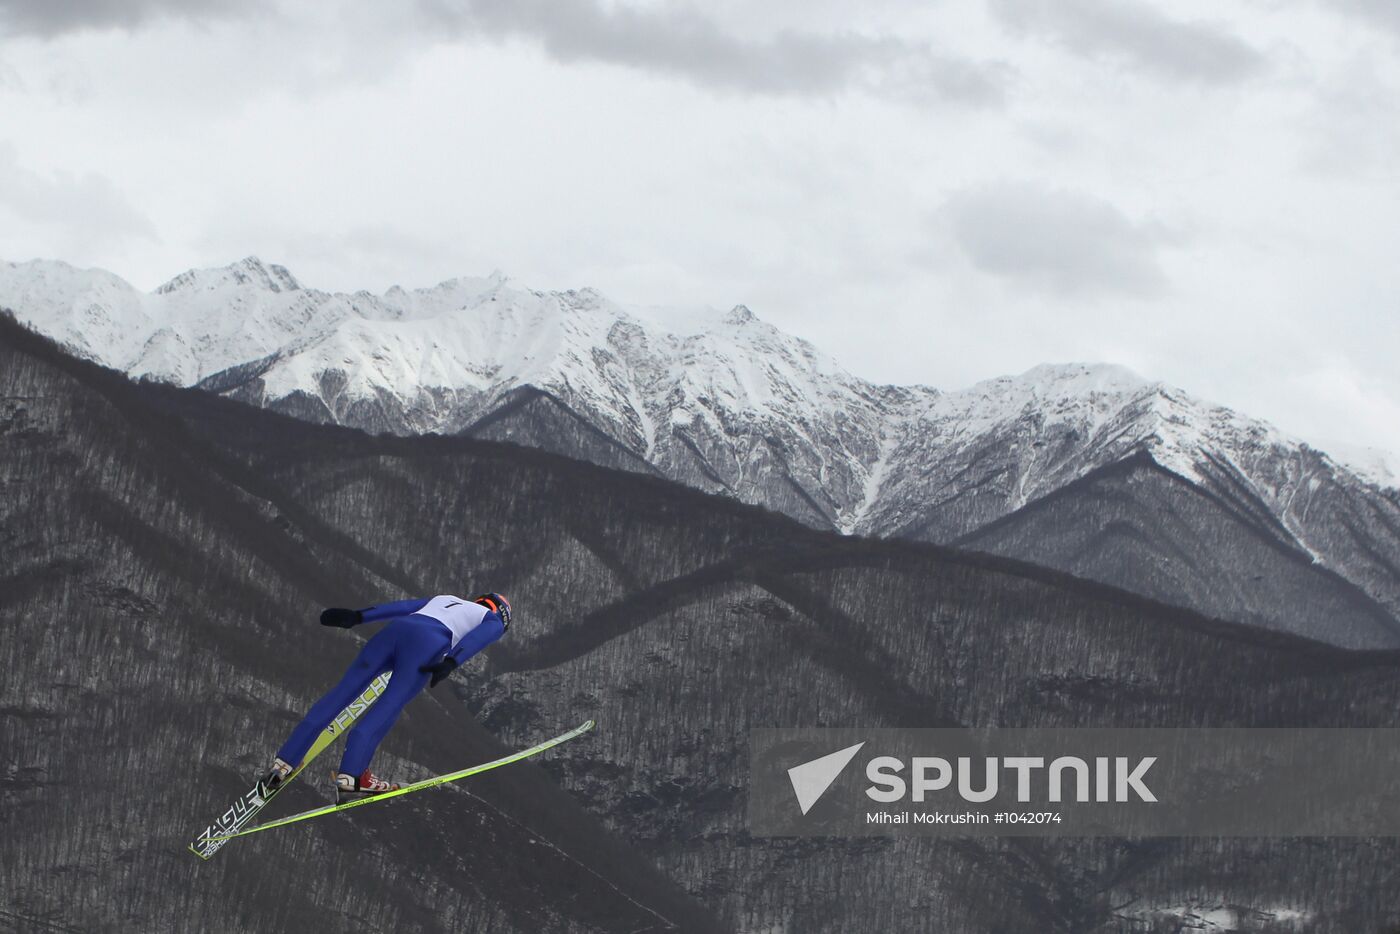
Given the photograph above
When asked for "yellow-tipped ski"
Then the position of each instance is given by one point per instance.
(416, 786)
(253, 801)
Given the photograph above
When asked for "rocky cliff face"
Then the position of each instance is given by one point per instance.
(173, 548)
(728, 404)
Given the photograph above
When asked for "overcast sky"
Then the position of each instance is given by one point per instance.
(932, 192)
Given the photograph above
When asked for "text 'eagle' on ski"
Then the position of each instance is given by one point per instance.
(242, 811)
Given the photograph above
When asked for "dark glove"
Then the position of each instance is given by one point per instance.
(440, 671)
(338, 616)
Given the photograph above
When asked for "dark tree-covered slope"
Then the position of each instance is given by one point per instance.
(679, 621)
(1145, 529)
(159, 640)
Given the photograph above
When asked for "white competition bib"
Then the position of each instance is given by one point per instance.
(458, 615)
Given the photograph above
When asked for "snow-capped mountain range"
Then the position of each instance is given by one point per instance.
(721, 401)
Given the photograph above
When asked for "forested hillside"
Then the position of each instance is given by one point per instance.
(171, 549)
(1154, 533)
(160, 640)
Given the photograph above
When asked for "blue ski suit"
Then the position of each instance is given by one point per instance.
(420, 632)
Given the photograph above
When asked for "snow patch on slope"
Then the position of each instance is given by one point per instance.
(1376, 466)
(1221, 918)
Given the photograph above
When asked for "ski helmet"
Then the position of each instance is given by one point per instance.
(497, 604)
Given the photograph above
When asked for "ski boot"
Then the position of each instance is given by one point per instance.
(279, 773)
(350, 788)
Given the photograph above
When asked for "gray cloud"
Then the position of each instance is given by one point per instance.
(1057, 241)
(1351, 128)
(1134, 32)
(49, 18)
(681, 42)
(87, 209)
(1383, 13)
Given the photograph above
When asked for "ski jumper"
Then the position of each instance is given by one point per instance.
(420, 632)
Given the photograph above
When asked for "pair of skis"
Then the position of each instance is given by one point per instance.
(241, 813)
(237, 820)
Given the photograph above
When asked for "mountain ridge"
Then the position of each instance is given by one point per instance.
(397, 304)
(722, 401)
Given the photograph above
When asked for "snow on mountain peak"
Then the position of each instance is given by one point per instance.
(247, 272)
(1376, 466)
(670, 383)
(1082, 378)
(50, 280)
(1083, 394)
(739, 316)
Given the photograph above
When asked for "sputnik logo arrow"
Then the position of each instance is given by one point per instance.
(810, 780)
